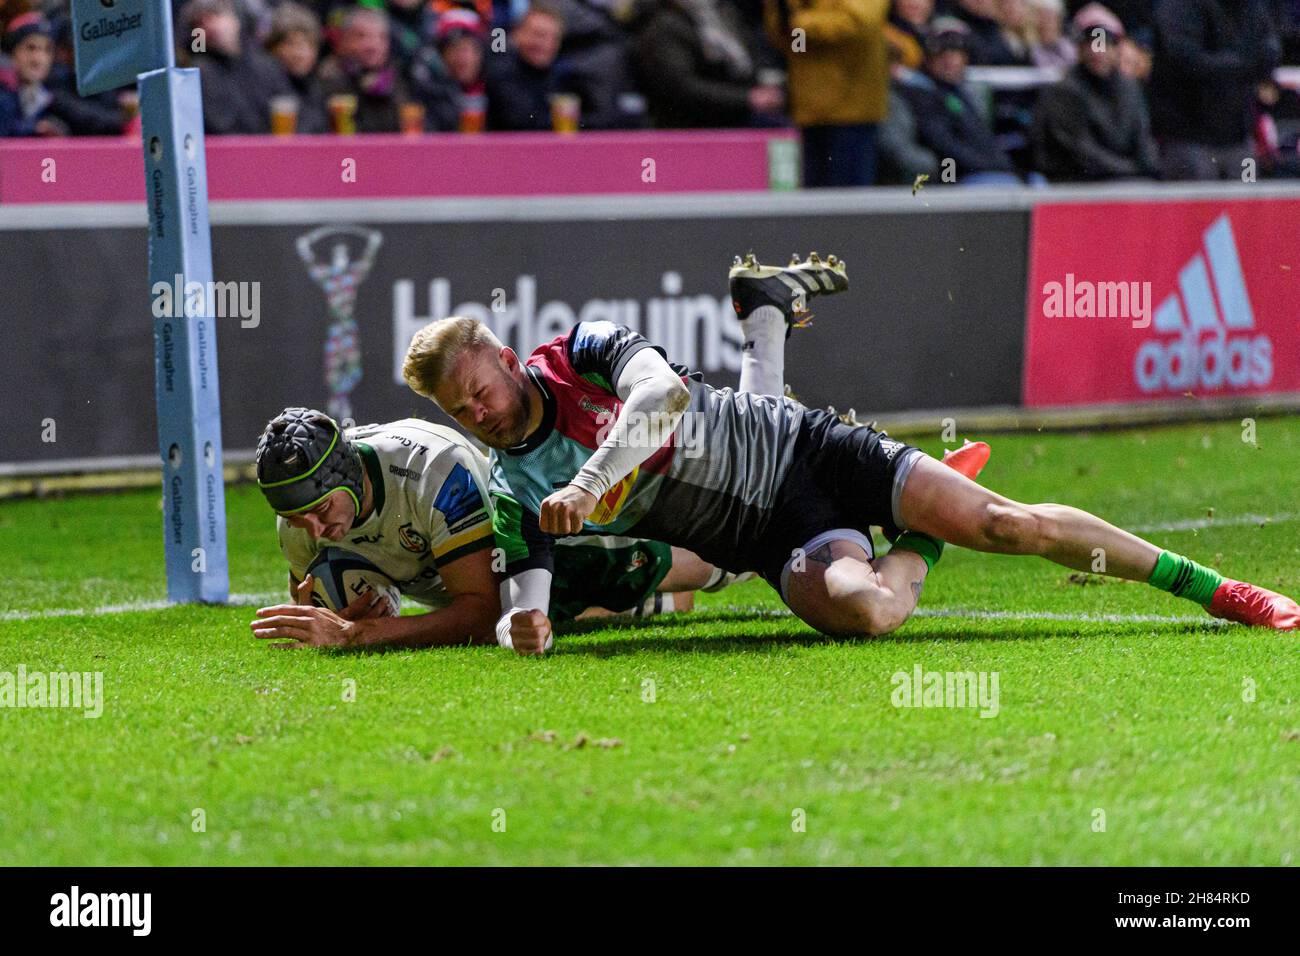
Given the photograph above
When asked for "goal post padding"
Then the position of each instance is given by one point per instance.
(123, 41)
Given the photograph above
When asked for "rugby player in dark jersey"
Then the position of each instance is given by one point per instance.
(596, 433)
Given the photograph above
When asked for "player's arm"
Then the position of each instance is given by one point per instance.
(460, 542)
(468, 619)
(654, 396)
(524, 626)
(526, 590)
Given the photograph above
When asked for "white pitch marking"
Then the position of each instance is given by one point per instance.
(962, 612)
(1228, 521)
(1190, 524)
(1079, 618)
(128, 607)
(955, 612)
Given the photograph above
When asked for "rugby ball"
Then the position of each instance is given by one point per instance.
(339, 577)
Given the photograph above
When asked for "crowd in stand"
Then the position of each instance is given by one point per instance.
(881, 91)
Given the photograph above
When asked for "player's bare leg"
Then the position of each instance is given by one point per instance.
(844, 590)
(689, 572)
(676, 592)
(944, 504)
(940, 502)
(836, 588)
(661, 602)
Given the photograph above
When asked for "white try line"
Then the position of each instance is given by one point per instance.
(978, 615)
(130, 607)
(1072, 618)
(1227, 521)
(252, 600)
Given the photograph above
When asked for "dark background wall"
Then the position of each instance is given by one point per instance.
(934, 318)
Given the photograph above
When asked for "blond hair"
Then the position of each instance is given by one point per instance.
(436, 348)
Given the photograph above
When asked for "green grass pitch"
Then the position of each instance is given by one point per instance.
(734, 735)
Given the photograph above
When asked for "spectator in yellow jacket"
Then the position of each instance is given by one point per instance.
(839, 83)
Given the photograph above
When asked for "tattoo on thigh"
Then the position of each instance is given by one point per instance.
(821, 555)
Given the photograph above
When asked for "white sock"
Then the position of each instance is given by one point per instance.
(762, 361)
(661, 602)
(724, 579)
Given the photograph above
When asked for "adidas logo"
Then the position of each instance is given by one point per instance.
(891, 447)
(1212, 317)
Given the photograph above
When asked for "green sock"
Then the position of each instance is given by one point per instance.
(927, 547)
(1183, 577)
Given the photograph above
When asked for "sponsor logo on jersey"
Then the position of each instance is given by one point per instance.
(588, 405)
(468, 523)
(612, 502)
(1206, 342)
(410, 473)
(412, 540)
(639, 560)
(368, 538)
(410, 443)
(460, 501)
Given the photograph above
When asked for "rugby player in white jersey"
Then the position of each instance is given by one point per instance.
(408, 499)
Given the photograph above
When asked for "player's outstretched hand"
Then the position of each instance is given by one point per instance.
(299, 625)
(564, 512)
(529, 632)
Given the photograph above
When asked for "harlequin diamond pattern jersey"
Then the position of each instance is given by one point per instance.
(710, 488)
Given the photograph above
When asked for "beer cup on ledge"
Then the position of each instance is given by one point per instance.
(284, 115)
(566, 109)
(411, 118)
(343, 113)
(473, 113)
